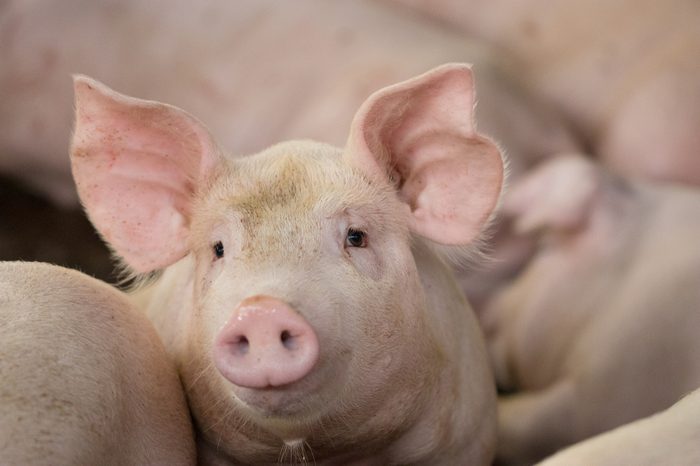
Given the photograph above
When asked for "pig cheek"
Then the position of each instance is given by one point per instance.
(209, 313)
(203, 383)
(208, 271)
(367, 262)
(216, 302)
(385, 305)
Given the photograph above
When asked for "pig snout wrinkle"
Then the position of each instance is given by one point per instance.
(265, 343)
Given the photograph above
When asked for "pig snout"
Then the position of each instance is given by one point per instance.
(265, 343)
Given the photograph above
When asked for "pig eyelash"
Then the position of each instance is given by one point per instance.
(355, 238)
(218, 250)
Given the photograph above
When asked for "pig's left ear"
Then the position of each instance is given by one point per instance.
(420, 135)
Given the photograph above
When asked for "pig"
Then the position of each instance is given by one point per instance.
(670, 437)
(85, 378)
(272, 70)
(624, 73)
(302, 298)
(602, 327)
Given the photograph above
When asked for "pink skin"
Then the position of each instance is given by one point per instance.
(85, 378)
(265, 344)
(341, 237)
(608, 304)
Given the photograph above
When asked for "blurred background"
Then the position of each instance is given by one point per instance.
(616, 82)
(550, 77)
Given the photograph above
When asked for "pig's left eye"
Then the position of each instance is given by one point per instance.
(356, 239)
(218, 250)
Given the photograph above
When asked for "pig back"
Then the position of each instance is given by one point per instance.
(85, 379)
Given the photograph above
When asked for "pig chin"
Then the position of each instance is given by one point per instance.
(306, 399)
(294, 400)
(274, 402)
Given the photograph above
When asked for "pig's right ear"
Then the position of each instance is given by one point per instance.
(136, 164)
(420, 136)
(557, 195)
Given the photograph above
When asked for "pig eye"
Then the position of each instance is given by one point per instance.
(356, 239)
(219, 250)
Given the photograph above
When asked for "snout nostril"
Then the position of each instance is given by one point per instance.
(240, 345)
(288, 341)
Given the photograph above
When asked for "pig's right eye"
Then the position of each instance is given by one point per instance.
(219, 250)
(356, 239)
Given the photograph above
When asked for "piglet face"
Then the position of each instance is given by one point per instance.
(302, 252)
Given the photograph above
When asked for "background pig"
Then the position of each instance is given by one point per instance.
(601, 328)
(624, 73)
(670, 437)
(85, 379)
(308, 316)
(272, 70)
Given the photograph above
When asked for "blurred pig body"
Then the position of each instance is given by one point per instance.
(271, 70)
(625, 73)
(310, 319)
(669, 437)
(85, 379)
(601, 327)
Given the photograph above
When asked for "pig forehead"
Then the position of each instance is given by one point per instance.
(296, 178)
(286, 180)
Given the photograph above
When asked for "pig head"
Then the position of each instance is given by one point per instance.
(301, 297)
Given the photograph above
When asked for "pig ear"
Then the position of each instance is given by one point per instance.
(136, 164)
(420, 135)
(557, 195)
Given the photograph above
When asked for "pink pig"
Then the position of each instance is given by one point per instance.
(602, 326)
(669, 437)
(84, 378)
(309, 316)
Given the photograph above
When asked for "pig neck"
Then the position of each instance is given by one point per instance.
(464, 387)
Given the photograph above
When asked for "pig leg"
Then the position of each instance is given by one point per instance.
(531, 422)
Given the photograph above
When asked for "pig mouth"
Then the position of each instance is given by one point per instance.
(271, 401)
(306, 399)
(278, 402)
